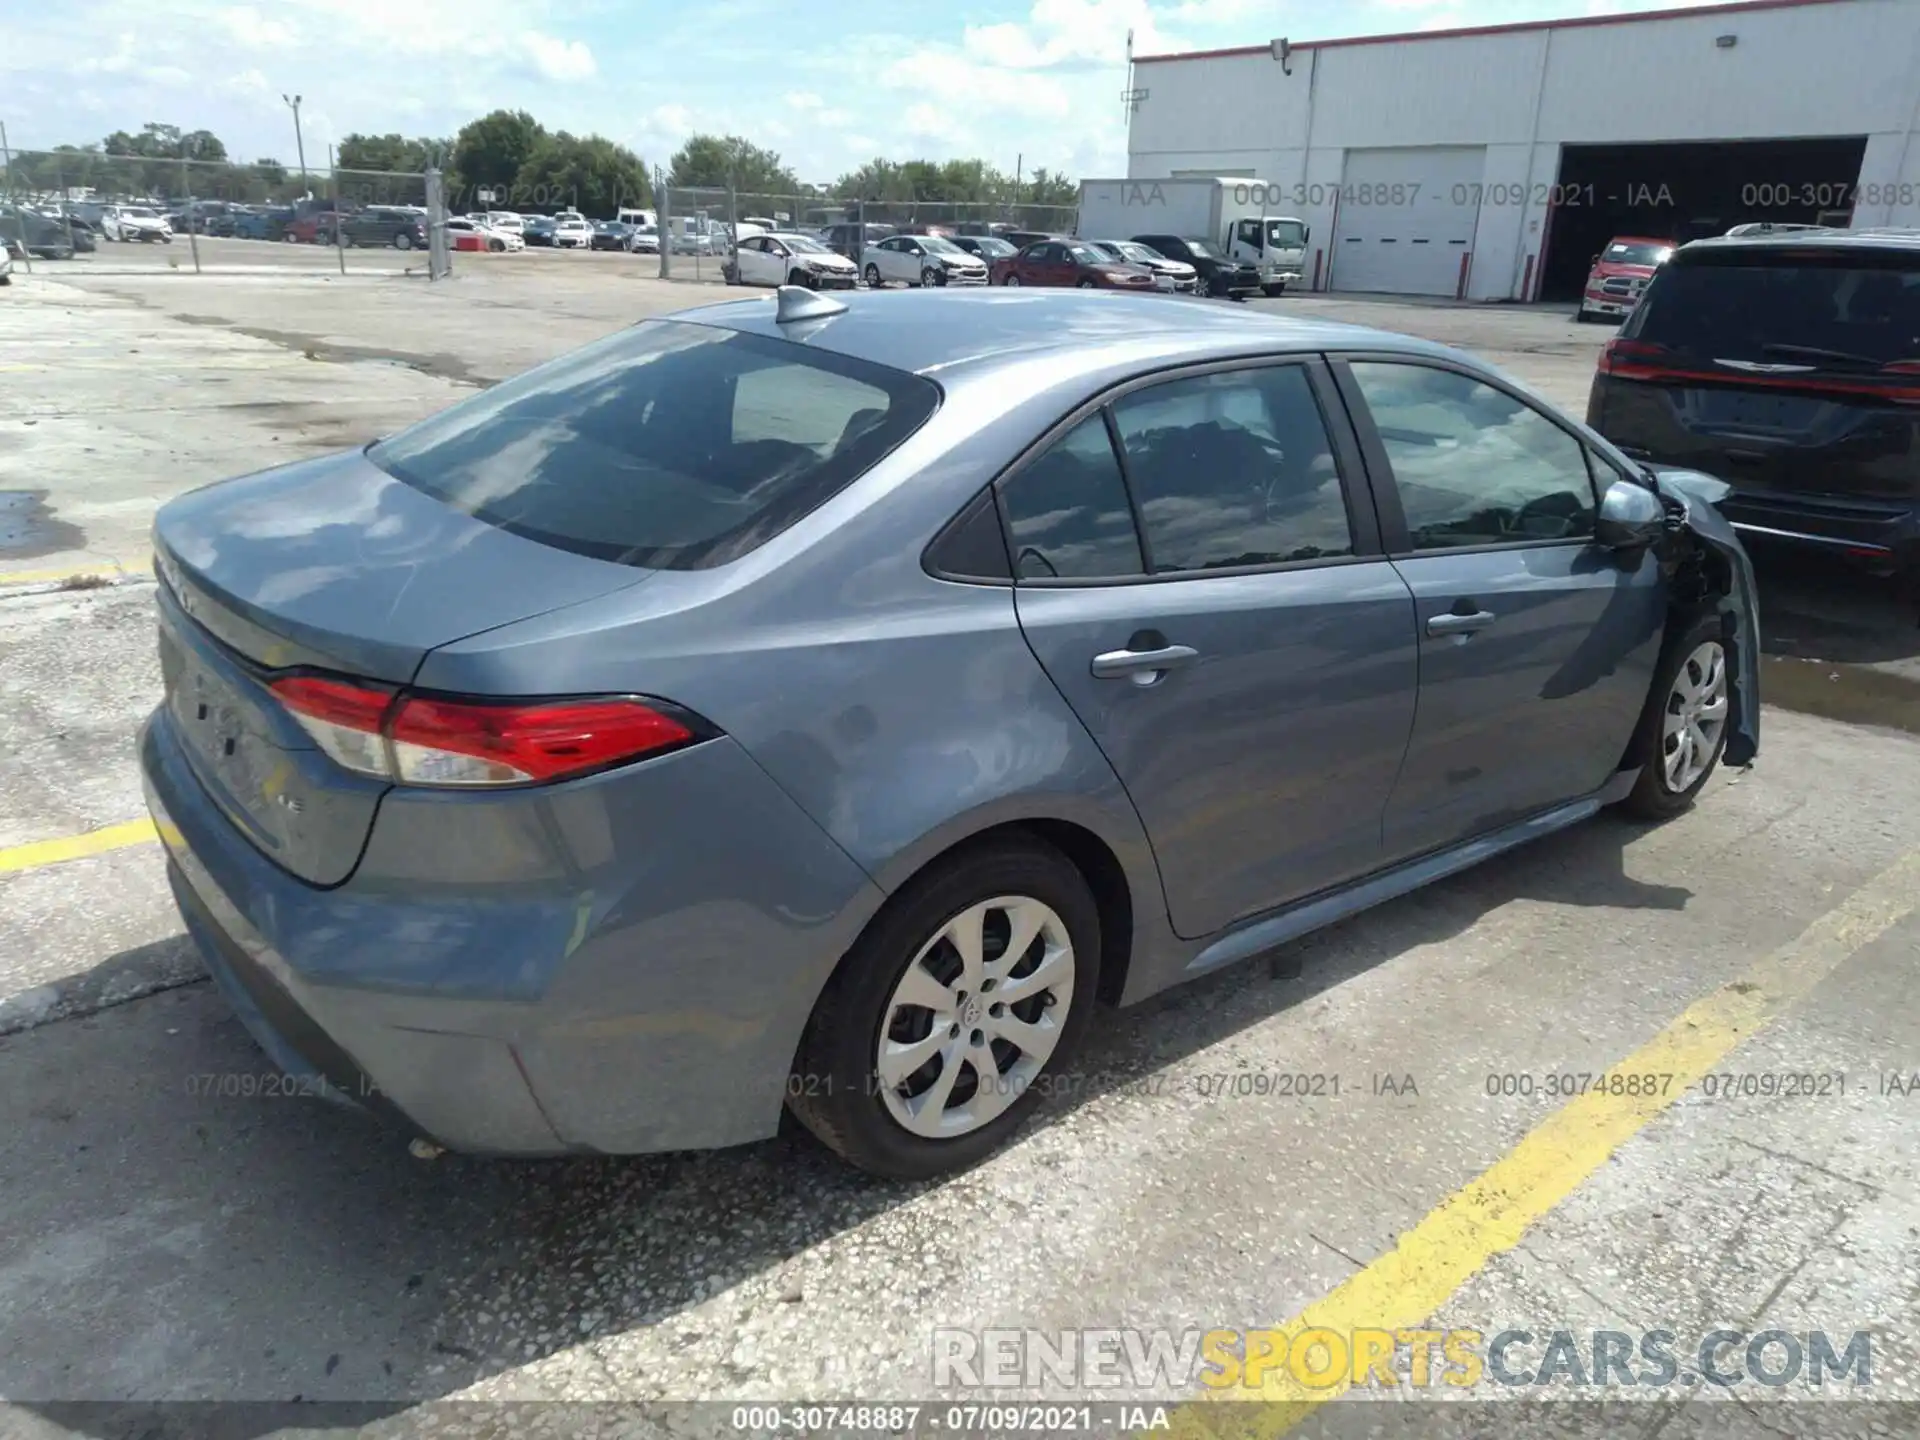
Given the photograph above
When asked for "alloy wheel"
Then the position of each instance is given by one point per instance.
(975, 1016)
(1695, 718)
(873, 277)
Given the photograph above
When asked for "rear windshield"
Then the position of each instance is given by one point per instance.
(1832, 312)
(669, 445)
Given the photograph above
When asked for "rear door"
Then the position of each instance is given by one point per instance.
(1199, 572)
(1537, 646)
(1793, 374)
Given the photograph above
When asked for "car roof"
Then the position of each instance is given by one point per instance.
(1641, 240)
(939, 329)
(1800, 241)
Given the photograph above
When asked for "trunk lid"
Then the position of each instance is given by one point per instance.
(327, 564)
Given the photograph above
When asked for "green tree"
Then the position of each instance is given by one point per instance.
(719, 161)
(588, 172)
(391, 152)
(490, 151)
(271, 172)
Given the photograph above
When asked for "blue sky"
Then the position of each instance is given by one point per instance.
(827, 83)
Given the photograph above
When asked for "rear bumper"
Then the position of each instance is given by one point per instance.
(565, 973)
(1875, 533)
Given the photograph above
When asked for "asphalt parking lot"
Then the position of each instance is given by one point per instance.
(171, 1231)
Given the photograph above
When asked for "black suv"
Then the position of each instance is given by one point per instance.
(1789, 366)
(1219, 276)
(385, 225)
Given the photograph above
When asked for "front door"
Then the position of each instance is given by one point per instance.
(1241, 652)
(1537, 646)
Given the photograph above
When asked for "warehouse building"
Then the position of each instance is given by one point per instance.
(1493, 163)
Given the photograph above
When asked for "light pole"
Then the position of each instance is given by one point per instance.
(299, 145)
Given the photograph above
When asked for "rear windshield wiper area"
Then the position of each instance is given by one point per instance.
(1821, 355)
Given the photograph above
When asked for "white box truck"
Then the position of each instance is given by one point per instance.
(1235, 214)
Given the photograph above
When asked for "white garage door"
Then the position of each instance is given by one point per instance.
(1406, 217)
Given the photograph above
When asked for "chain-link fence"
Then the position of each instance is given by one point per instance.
(698, 228)
(122, 214)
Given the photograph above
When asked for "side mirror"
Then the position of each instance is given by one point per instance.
(1631, 517)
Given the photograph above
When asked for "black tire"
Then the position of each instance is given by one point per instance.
(1273, 292)
(834, 1090)
(1085, 285)
(873, 277)
(1652, 798)
(1584, 316)
(402, 240)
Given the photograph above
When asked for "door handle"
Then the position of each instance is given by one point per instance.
(1114, 664)
(1454, 623)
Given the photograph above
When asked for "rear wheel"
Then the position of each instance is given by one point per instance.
(1011, 280)
(1085, 285)
(873, 277)
(403, 241)
(1684, 727)
(943, 1025)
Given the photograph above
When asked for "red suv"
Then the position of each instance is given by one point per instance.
(1620, 272)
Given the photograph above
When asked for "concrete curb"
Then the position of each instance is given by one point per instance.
(73, 997)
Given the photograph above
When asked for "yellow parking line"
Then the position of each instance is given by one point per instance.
(1405, 1288)
(37, 853)
(45, 577)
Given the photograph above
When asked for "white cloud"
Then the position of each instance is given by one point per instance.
(803, 100)
(1067, 32)
(946, 75)
(250, 28)
(558, 59)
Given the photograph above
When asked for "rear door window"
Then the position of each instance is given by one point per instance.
(669, 445)
(1233, 469)
(1832, 311)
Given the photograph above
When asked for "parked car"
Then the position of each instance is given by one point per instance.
(537, 230)
(35, 233)
(1789, 365)
(1219, 276)
(610, 235)
(80, 233)
(1619, 274)
(1174, 275)
(922, 260)
(135, 222)
(851, 239)
(976, 777)
(204, 217)
(785, 258)
(988, 247)
(507, 222)
(645, 240)
(466, 233)
(1070, 263)
(314, 228)
(571, 232)
(263, 222)
(379, 225)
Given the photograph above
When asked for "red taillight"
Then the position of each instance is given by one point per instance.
(422, 741)
(444, 742)
(1623, 355)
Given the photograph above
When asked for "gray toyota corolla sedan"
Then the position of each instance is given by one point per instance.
(817, 704)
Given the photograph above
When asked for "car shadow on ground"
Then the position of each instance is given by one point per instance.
(284, 1235)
